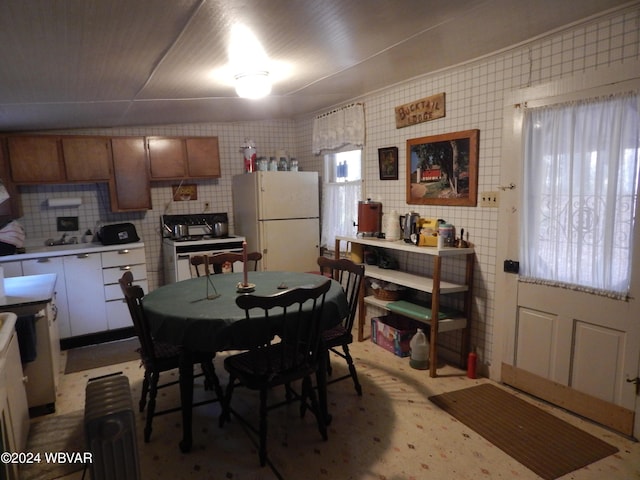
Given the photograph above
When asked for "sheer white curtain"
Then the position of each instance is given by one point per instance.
(339, 211)
(581, 166)
(339, 128)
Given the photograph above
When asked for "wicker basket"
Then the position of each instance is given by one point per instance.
(386, 295)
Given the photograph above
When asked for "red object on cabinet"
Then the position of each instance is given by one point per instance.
(471, 364)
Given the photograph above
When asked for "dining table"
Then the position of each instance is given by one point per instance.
(201, 316)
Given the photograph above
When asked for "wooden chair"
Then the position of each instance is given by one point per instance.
(218, 260)
(282, 348)
(159, 357)
(338, 338)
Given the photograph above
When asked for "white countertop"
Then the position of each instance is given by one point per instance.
(28, 294)
(42, 251)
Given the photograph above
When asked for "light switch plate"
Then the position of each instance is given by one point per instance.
(490, 199)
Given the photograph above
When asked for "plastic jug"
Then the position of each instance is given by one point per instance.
(419, 351)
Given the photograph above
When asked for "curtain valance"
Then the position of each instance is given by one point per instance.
(338, 128)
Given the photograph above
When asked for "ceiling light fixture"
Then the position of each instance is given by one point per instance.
(249, 62)
(253, 84)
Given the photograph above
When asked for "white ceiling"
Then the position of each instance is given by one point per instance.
(106, 63)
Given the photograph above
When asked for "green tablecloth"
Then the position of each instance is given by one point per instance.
(179, 313)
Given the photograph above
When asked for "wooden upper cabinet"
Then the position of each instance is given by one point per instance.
(167, 157)
(87, 158)
(178, 158)
(129, 190)
(36, 159)
(203, 157)
(12, 207)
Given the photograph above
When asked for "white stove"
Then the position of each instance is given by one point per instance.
(178, 251)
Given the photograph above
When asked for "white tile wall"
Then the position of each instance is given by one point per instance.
(474, 99)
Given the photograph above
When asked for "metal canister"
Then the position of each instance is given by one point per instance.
(369, 218)
(447, 232)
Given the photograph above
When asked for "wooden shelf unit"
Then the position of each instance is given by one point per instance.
(434, 285)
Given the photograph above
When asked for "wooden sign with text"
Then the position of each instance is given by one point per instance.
(420, 111)
(185, 192)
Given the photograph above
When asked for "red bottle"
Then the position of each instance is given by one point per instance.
(472, 362)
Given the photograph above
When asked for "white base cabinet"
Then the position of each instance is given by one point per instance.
(87, 293)
(43, 374)
(114, 264)
(38, 266)
(12, 269)
(17, 395)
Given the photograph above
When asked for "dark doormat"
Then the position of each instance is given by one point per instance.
(548, 446)
(56, 433)
(101, 355)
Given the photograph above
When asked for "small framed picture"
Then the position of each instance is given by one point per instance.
(388, 162)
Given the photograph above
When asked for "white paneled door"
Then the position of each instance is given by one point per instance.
(575, 349)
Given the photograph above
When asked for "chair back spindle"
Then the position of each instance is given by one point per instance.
(292, 318)
(218, 260)
(337, 339)
(133, 295)
(349, 275)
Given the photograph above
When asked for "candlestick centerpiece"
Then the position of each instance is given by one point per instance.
(245, 286)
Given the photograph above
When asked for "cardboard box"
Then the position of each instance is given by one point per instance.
(393, 333)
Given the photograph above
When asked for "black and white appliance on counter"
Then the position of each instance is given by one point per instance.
(193, 234)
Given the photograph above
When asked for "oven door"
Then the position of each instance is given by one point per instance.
(183, 267)
(184, 271)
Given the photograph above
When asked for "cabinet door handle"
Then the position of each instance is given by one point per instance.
(43, 260)
(125, 268)
(123, 252)
(83, 255)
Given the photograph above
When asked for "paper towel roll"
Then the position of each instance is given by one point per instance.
(64, 202)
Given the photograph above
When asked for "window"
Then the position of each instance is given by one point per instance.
(341, 193)
(343, 167)
(580, 193)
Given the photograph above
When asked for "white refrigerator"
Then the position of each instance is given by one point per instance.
(278, 213)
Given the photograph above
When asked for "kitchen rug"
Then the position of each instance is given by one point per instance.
(542, 442)
(102, 355)
(55, 434)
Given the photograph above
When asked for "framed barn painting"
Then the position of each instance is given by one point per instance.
(443, 169)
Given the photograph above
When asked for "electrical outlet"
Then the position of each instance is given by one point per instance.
(206, 206)
(490, 199)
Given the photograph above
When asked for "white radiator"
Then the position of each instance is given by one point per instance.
(109, 424)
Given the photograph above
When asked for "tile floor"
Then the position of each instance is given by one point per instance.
(392, 432)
